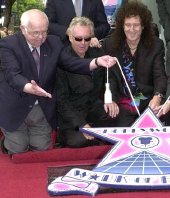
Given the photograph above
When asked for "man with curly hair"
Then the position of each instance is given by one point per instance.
(141, 56)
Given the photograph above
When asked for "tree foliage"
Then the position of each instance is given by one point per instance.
(22, 5)
(16, 7)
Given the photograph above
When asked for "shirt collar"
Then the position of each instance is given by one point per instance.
(31, 48)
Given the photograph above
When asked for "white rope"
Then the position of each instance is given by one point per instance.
(107, 79)
(168, 99)
(107, 94)
(128, 87)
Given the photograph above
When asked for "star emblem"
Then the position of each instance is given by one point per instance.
(139, 159)
(138, 150)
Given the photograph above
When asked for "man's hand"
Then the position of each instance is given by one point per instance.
(112, 109)
(87, 136)
(155, 103)
(33, 88)
(95, 43)
(104, 61)
(163, 109)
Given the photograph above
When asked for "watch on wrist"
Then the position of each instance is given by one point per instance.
(160, 95)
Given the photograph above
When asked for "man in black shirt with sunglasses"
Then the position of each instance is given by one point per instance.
(78, 95)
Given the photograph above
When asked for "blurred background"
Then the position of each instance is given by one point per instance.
(11, 10)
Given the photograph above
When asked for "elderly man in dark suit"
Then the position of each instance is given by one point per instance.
(29, 61)
(61, 12)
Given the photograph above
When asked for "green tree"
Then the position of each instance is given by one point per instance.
(17, 7)
(22, 5)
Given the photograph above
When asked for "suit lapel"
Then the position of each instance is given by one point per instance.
(68, 8)
(86, 8)
(29, 58)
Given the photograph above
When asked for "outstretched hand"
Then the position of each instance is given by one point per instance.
(104, 61)
(33, 88)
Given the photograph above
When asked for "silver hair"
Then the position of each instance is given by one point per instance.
(29, 16)
(82, 21)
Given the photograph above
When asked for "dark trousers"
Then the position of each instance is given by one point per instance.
(75, 138)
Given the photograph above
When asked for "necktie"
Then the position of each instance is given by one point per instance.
(36, 58)
(77, 6)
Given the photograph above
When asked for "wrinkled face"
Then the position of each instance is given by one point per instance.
(80, 39)
(36, 32)
(133, 28)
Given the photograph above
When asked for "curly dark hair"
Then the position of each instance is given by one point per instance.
(132, 9)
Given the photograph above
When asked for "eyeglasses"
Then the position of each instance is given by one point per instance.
(79, 39)
(135, 26)
(36, 34)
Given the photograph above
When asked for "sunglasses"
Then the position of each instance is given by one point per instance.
(79, 39)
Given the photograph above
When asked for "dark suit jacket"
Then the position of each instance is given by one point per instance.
(149, 69)
(77, 94)
(61, 12)
(164, 14)
(18, 68)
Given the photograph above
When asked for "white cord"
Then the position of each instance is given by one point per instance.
(107, 78)
(163, 106)
(108, 93)
(127, 86)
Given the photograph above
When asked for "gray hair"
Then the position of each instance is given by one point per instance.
(82, 21)
(30, 15)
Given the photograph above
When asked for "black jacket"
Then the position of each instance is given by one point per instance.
(18, 68)
(78, 94)
(149, 69)
(61, 12)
